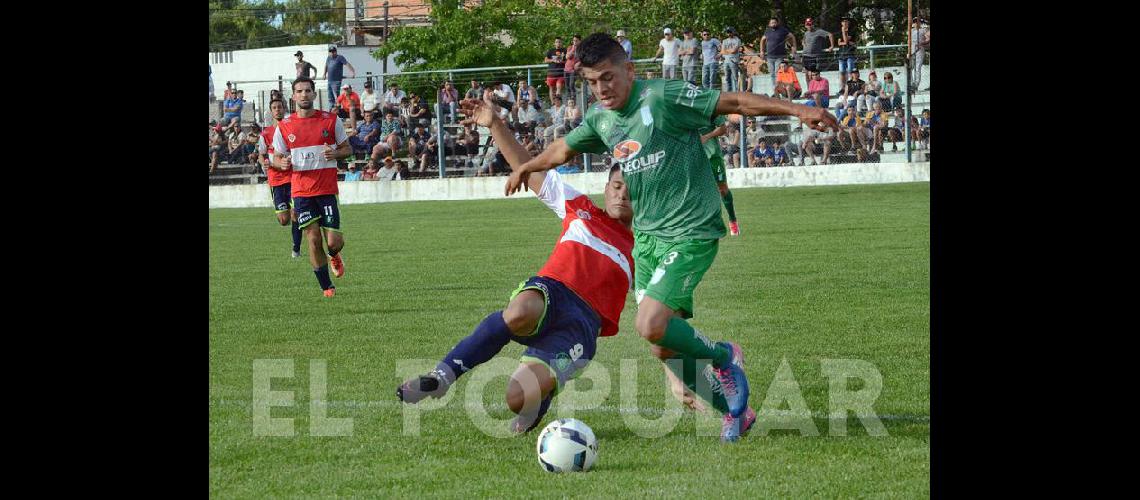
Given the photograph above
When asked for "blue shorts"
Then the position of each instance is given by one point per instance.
(846, 64)
(567, 335)
(281, 197)
(323, 209)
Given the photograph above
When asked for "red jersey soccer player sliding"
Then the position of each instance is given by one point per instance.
(558, 314)
(304, 142)
(279, 187)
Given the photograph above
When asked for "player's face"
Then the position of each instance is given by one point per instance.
(617, 198)
(610, 82)
(277, 108)
(303, 96)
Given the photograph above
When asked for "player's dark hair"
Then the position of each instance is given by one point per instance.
(277, 99)
(614, 168)
(600, 47)
(303, 79)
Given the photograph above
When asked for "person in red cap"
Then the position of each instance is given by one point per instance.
(813, 44)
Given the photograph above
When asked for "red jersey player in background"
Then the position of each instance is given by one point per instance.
(578, 295)
(279, 187)
(304, 141)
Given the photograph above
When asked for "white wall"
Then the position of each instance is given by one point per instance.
(475, 188)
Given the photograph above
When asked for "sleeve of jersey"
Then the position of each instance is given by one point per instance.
(688, 106)
(584, 139)
(555, 193)
(279, 146)
(341, 135)
(261, 147)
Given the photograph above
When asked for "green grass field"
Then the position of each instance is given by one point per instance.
(819, 273)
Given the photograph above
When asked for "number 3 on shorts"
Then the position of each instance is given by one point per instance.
(660, 272)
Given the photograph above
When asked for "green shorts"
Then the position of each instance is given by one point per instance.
(717, 162)
(670, 271)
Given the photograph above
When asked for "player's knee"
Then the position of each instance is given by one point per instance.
(723, 189)
(651, 327)
(522, 316)
(283, 218)
(516, 396)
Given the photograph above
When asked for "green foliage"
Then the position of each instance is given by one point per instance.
(251, 24)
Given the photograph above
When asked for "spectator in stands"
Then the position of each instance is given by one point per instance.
(780, 155)
(475, 92)
(556, 64)
(352, 175)
(874, 85)
(919, 42)
(249, 144)
(449, 96)
(774, 45)
(573, 117)
(895, 129)
(348, 102)
(710, 59)
(217, 146)
(503, 96)
(891, 97)
(848, 96)
(688, 55)
(731, 146)
(391, 137)
(334, 72)
(469, 142)
(528, 117)
(212, 97)
(389, 172)
(417, 142)
(234, 146)
(813, 44)
(730, 50)
(370, 171)
(625, 44)
(669, 46)
(233, 107)
(369, 99)
(846, 52)
(528, 93)
(528, 144)
(876, 121)
(753, 132)
(393, 97)
(787, 82)
(304, 68)
(366, 136)
(924, 129)
(813, 137)
(853, 129)
(229, 93)
(761, 156)
(419, 114)
(571, 67)
(819, 92)
(557, 127)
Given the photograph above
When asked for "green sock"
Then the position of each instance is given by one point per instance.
(691, 373)
(683, 338)
(727, 198)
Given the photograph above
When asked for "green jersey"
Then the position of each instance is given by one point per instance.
(712, 147)
(656, 140)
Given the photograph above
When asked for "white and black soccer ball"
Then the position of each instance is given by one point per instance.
(567, 445)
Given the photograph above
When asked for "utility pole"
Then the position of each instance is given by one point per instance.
(384, 70)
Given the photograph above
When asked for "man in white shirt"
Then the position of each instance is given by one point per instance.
(670, 46)
(393, 97)
(369, 100)
(528, 116)
(625, 44)
(557, 126)
(388, 172)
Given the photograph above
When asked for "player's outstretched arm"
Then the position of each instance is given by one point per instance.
(754, 104)
(484, 112)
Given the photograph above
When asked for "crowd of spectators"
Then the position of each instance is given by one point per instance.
(394, 135)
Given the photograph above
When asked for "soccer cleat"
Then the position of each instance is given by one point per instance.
(733, 383)
(337, 265)
(432, 384)
(733, 228)
(330, 292)
(734, 428)
(296, 254)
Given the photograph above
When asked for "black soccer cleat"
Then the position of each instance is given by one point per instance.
(432, 384)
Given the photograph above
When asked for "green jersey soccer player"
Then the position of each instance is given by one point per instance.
(652, 129)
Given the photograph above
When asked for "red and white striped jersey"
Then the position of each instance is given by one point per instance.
(265, 147)
(593, 256)
(304, 139)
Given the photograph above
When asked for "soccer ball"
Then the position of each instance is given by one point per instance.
(567, 445)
